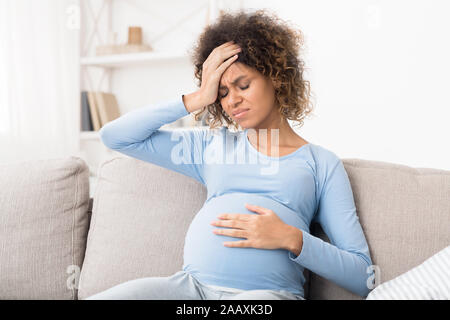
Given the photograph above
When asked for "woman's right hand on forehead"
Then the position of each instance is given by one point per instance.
(214, 66)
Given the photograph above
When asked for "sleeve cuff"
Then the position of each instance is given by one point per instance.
(305, 254)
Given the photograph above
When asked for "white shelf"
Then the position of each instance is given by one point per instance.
(132, 59)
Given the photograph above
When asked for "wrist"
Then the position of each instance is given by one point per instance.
(192, 101)
(295, 242)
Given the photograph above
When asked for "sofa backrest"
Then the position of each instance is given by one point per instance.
(141, 214)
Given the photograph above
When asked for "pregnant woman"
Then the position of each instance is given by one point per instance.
(265, 183)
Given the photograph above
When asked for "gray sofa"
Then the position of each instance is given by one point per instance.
(58, 243)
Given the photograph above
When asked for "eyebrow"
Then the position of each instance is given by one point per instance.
(235, 81)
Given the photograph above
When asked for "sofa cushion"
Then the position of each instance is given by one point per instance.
(43, 228)
(404, 213)
(140, 217)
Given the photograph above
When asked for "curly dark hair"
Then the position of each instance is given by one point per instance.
(270, 46)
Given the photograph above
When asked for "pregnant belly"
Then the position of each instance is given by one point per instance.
(205, 253)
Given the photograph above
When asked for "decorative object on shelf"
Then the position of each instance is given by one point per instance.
(134, 35)
(134, 44)
(98, 108)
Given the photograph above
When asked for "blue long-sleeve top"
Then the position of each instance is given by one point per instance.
(307, 185)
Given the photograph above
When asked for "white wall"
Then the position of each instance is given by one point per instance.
(378, 70)
(380, 73)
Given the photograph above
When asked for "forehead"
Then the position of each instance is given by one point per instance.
(234, 71)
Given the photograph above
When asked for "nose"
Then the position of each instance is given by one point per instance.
(234, 99)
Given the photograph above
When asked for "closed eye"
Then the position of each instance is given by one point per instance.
(244, 88)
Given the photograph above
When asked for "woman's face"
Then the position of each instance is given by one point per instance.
(252, 91)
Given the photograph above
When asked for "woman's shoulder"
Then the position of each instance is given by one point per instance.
(325, 152)
(324, 158)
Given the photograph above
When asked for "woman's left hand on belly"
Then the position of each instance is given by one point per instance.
(264, 230)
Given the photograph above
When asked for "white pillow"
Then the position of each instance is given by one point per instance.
(428, 281)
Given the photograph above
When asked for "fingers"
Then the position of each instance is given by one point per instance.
(258, 209)
(226, 44)
(226, 64)
(236, 216)
(238, 224)
(232, 233)
(228, 53)
(238, 244)
(222, 53)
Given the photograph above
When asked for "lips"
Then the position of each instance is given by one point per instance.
(235, 113)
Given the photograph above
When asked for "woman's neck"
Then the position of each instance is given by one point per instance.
(278, 132)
